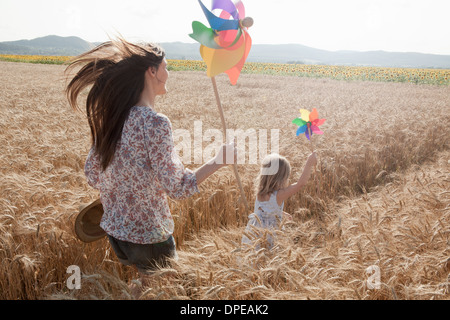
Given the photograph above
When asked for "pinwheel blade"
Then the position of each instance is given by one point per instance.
(227, 6)
(301, 130)
(314, 115)
(241, 9)
(318, 122)
(299, 122)
(229, 38)
(235, 71)
(219, 61)
(216, 23)
(304, 114)
(307, 134)
(204, 35)
(316, 130)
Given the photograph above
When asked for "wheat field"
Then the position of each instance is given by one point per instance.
(380, 195)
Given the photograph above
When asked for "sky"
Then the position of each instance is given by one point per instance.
(361, 25)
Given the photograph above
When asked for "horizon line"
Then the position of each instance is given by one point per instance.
(254, 44)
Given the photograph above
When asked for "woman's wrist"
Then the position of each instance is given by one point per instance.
(216, 163)
(207, 169)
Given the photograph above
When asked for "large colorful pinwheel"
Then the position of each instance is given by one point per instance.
(224, 48)
(308, 123)
(226, 45)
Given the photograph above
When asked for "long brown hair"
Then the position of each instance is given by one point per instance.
(116, 71)
(268, 183)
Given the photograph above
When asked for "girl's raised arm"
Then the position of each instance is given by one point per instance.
(284, 194)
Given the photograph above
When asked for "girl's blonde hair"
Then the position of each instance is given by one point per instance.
(268, 183)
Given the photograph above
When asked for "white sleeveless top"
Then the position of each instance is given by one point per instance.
(269, 213)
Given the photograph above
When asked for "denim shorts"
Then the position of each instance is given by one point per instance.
(146, 257)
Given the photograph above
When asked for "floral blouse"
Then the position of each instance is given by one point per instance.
(134, 187)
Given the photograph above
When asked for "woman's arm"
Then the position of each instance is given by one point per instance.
(178, 182)
(206, 170)
(218, 162)
(92, 169)
(284, 194)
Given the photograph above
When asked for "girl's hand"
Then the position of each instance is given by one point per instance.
(287, 216)
(312, 160)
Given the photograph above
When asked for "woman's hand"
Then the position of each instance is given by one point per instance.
(219, 161)
(226, 155)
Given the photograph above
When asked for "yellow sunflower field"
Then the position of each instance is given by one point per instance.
(383, 74)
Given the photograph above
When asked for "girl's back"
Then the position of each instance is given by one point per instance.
(267, 216)
(268, 211)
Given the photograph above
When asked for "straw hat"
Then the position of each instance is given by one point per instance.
(87, 224)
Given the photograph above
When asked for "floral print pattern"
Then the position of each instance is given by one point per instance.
(144, 171)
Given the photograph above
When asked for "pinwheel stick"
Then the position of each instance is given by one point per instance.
(222, 117)
(310, 138)
(315, 167)
(312, 144)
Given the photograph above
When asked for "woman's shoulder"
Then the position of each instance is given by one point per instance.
(145, 111)
(150, 116)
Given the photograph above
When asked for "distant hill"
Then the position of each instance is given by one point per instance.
(49, 46)
(297, 53)
(285, 53)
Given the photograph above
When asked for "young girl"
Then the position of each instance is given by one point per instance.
(272, 190)
(132, 161)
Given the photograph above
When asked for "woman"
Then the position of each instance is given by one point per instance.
(132, 161)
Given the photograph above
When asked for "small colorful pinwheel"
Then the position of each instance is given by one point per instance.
(308, 123)
(226, 45)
